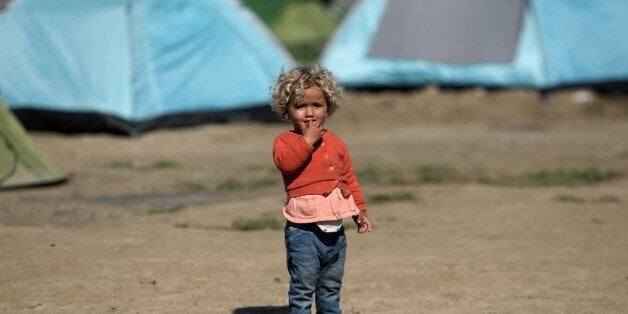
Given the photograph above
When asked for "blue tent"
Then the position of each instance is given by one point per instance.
(133, 65)
(508, 43)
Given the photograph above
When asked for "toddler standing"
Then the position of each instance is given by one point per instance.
(321, 185)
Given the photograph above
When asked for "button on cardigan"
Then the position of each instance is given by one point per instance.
(308, 170)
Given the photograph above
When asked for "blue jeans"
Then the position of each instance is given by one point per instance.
(316, 262)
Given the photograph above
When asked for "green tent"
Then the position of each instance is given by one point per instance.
(21, 164)
(303, 26)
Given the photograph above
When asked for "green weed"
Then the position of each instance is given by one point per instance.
(195, 186)
(164, 164)
(395, 197)
(607, 199)
(157, 165)
(558, 177)
(242, 224)
(236, 185)
(370, 174)
(120, 164)
(164, 209)
(422, 174)
(438, 174)
(196, 226)
(231, 185)
(182, 225)
(570, 198)
(262, 182)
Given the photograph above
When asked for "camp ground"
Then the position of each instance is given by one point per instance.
(514, 43)
(130, 66)
(482, 203)
(483, 200)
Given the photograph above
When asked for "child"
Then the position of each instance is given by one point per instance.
(321, 185)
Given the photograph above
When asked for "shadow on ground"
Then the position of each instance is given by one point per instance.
(262, 310)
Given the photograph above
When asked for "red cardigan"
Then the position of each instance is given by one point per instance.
(316, 170)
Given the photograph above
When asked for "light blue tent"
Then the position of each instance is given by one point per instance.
(132, 65)
(538, 44)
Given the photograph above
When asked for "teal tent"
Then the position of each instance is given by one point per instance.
(535, 44)
(134, 65)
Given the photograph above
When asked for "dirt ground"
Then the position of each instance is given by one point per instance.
(145, 225)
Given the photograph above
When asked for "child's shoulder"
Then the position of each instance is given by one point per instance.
(331, 136)
(287, 134)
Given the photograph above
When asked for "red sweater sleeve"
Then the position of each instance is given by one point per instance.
(352, 180)
(291, 152)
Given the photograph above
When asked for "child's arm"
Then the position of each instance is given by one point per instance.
(362, 220)
(352, 180)
(291, 153)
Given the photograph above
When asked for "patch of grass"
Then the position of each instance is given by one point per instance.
(374, 175)
(262, 182)
(196, 226)
(607, 199)
(569, 176)
(231, 185)
(395, 197)
(157, 165)
(165, 164)
(422, 174)
(182, 225)
(370, 174)
(120, 164)
(236, 185)
(438, 174)
(262, 168)
(243, 224)
(558, 177)
(398, 179)
(165, 209)
(195, 186)
(570, 198)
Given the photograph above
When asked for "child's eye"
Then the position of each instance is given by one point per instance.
(298, 106)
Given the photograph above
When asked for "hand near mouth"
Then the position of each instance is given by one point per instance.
(312, 131)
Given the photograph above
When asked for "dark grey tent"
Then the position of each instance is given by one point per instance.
(507, 43)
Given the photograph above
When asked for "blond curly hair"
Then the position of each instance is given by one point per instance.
(291, 86)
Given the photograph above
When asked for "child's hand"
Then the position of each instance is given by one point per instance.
(312, 131)
(363, 222)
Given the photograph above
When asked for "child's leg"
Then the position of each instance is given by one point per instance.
(303, 266)
(333, 265)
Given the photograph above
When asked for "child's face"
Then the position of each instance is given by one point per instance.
(311, 109)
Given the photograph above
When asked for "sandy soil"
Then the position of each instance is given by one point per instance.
(92, 244)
